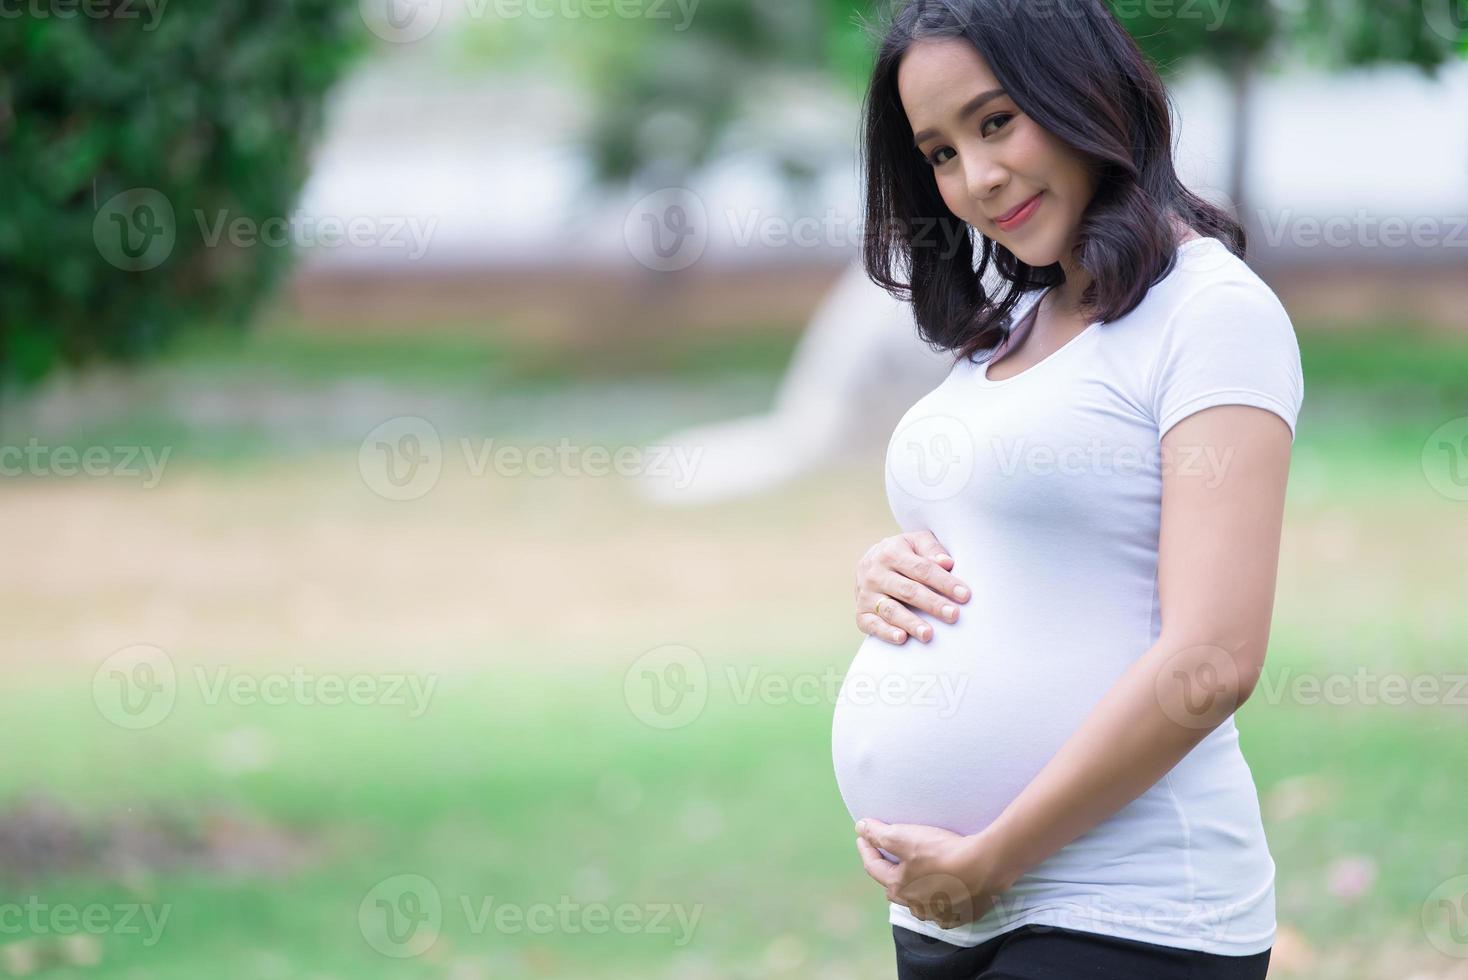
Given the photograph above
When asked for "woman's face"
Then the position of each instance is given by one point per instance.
(996, 159)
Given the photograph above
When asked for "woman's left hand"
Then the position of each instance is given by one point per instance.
(940, 876)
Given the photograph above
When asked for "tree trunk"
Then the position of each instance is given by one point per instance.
(1241, 105)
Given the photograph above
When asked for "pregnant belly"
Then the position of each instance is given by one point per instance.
(947, 733)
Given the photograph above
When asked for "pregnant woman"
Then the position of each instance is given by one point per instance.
(1047, 782)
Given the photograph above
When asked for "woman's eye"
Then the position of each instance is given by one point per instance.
(1006, 116)
(1003, 119)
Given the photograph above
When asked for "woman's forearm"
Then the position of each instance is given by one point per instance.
(1154, 715)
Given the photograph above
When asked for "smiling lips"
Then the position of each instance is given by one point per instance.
(1019, 215)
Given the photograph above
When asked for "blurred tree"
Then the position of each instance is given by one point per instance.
(1254, 35)
(125, 135)
(666, 94)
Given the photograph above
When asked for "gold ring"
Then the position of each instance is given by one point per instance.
(878, 608)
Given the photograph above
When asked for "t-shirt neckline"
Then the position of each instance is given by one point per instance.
(983, 372)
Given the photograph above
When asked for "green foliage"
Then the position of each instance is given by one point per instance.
(1173, 34)
(124, 133)
(666, 85)
(1347, 33)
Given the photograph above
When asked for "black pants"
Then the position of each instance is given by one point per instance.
(1038, 952)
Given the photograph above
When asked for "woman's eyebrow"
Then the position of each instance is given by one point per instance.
(973, 106)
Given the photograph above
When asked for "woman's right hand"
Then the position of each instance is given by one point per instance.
(906, 570)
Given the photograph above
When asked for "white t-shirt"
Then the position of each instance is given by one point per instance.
(1046, 489)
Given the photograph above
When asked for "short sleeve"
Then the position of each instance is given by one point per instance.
(1230, 343)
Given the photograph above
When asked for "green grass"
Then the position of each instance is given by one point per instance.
(475, 355)
(1385, 358)
(521, 787)
(524, 784)
(511, 786)
(291, 353)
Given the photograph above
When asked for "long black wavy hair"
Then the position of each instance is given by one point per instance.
(1075, 70)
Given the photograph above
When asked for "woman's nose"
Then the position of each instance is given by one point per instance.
(985, 180)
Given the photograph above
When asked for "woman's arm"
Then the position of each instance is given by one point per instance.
(1218, 552)
(1224, 475)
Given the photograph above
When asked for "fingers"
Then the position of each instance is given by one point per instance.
(882, 871)
(901, 576)
(913, 595)
(874, 625)
(898, 615)
(931, 568)
(926, 544)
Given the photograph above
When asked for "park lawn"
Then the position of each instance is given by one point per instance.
(532, 779)
(520, 786)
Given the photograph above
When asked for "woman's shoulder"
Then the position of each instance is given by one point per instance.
(1203, 264)
(1211, 305)
(1206, 280)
